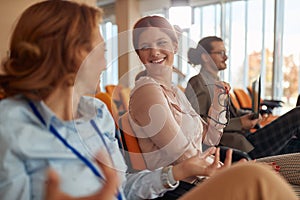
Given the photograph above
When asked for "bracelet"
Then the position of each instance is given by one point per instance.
(167, 178)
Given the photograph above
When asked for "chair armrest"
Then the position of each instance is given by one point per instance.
(236, 154)
(272, 103)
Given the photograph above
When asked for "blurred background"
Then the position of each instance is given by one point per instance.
(261, 38)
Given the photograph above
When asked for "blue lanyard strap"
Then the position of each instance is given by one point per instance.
(81, 157)
(93, 123)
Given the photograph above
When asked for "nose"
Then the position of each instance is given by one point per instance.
(225, 57)
(154, 52)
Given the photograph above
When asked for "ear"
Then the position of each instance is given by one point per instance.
(205, 57)
(69, 79)
(175, 48)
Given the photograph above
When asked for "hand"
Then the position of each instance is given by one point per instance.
(108, 191)
(199, 165)
(221, 91)
(273, 166)
(247, 122)
(221, 87)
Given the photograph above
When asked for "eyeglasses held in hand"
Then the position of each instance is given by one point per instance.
(223, 100)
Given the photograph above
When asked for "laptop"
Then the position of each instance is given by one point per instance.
(256, 87)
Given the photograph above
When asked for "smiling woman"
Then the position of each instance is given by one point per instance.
(156, 43)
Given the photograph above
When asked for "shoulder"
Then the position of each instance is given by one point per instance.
(16, 118)
(197, 79)
(146, 87)
(195, 85)
(89, 102)
(13, 108)
(91, 106)
(146, 93)
(145, 81)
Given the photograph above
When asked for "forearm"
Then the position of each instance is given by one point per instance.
(234, 125)
(214, 127)
(144, 185)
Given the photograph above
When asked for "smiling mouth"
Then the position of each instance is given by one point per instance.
(159, 61)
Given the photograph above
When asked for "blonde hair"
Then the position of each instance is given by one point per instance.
(46, 45)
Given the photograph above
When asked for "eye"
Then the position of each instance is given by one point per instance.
(162, 43)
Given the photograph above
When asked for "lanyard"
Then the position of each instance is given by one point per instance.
(79, 155)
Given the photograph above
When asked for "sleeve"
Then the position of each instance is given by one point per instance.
(156, 119)
(233, 125)
(14, 181)
(212, 131)
(144, 185)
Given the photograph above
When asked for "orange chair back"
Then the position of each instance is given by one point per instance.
(125, 96)
(115, 92)
(132, 151)
(106, 98)
(234, 100)
(243, 98)
(110, 89)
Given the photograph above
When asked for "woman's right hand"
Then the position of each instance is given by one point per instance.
(199, 165)
(108, 191)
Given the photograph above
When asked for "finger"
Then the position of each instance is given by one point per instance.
(243, 160)
(228, 159)
(110, 187)
(208, 152)
(52, 187)
(52, 184)
(216, 158)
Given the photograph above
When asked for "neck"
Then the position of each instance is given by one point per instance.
(162, 74)
(63, 103)
(211, 70)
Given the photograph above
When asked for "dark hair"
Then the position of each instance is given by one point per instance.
(204, 46)
(152, 21)
(47, 45)
(141, 74)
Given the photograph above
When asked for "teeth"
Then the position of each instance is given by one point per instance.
(157, 61)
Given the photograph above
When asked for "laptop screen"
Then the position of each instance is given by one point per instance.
(256, 87)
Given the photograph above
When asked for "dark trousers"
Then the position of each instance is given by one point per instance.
(280, 136)
(178, 192)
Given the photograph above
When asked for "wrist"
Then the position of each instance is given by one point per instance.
(179, 173)
(168, 179)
